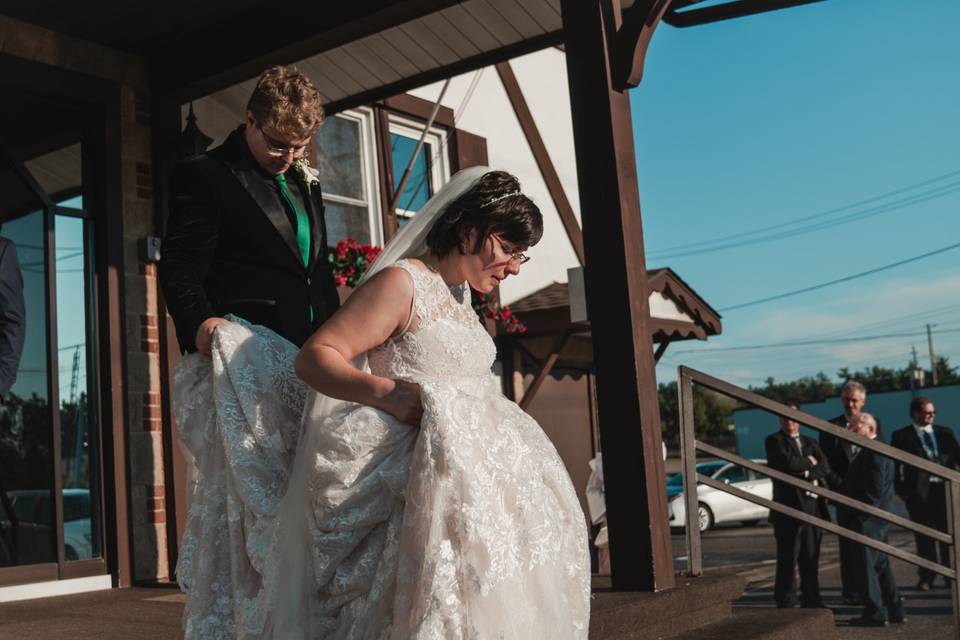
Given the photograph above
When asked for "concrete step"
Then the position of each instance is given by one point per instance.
(767, 624)
(691, 604)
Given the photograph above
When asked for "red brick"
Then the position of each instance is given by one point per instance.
(148, 319)
(156, 491)
(149, 333)
(150, 347)
(155, 504)
(157, 517)
(153, 424)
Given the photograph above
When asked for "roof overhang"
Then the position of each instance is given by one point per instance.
(677, 312)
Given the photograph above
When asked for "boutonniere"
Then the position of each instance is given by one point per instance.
(309, 175)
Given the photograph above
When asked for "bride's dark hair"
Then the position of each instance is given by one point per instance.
(494, 205)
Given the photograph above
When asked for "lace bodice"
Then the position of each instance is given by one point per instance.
(444, 341)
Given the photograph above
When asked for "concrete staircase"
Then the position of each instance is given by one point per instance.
(699, 609)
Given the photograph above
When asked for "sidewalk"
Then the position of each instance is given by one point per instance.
(118, 614)
(929, 615)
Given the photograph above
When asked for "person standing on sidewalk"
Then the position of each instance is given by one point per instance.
(853, 397)
(925, 494)
(798, 543)
(870, 479)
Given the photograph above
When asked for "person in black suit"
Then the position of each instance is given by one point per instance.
(839, 453)
(924, 494)
(13, 327)
(246, 234)
(870, 479)
(798, 543)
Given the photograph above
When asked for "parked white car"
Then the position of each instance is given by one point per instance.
(718, 507)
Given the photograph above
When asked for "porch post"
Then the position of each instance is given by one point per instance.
(617, 302)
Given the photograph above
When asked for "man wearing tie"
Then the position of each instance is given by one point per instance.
(870, 479)
(924, 494)
(798, 543)
(839, 453)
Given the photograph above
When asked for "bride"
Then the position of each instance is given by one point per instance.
(377, 484)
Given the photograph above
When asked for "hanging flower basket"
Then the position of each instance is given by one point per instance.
(488, 309)
(350, 260)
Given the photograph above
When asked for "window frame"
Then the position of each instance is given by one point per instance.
(369, 178)
(438, 137)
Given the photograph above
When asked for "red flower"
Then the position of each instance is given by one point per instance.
(340, 281)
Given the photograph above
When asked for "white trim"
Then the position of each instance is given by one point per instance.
(436, 140)
(55, 588)
(369, 179)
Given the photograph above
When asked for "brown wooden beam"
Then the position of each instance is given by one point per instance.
(661, 349)
(542, 157)
(418, 108)
(633, 38)
(472, 63)
(388, 216)
(534, 387)
(618, 303)
(727, 11)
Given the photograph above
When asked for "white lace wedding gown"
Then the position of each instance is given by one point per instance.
(466, 527)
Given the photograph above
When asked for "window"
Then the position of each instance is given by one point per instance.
(733, 474)
(347, 164)
(430, 170)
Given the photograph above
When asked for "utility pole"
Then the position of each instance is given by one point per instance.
(933, 358)
(913, 370)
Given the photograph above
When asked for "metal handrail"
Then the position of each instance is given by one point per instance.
(689, 447)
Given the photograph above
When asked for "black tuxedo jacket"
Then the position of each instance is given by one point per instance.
(839, 452)
(912, 484)
(231, 247)
(783, 455)
(870, 479)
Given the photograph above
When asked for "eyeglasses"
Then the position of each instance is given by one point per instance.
(280, 149)
(515, 255)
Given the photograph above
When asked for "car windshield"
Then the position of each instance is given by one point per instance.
(706, 468)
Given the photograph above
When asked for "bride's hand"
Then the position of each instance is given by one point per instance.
(404, 403)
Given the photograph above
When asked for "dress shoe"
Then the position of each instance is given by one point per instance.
(868, 622)
(900, 619)
(924, 585)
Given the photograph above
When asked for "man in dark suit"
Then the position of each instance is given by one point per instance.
(853, 397)
(798, 543)
(923, 493)
(870, 479)
(246, 233)
(12, 316)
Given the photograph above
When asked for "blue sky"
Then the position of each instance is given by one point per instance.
(759, 121)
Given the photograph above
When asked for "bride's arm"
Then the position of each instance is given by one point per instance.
(372, 313)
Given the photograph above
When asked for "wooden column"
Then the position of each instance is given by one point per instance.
(617, 302)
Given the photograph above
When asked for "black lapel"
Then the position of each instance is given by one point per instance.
(270, 204)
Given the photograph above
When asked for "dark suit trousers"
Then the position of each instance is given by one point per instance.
(798, 545)
(933, 513)
(880, 588)
(851, 559)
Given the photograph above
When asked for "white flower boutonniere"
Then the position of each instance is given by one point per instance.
(311, 176)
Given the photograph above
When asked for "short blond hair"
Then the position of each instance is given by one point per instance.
(287, 100)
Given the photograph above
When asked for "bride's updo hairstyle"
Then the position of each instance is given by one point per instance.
(494, 205)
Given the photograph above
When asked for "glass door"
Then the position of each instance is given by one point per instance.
(50, 477)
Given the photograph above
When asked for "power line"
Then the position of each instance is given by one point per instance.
(808, 343)
(780, 225)
(853, 217)
(840, 280)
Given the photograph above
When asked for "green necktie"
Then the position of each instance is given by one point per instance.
(303, 221)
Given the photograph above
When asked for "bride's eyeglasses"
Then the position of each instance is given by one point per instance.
(515, 255)
(280, 149)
